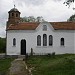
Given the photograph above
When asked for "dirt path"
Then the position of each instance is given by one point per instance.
(18, 67)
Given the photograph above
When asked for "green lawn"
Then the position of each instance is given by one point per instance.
(46, 65)
(4, 65)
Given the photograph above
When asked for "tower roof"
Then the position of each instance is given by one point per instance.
(14, 10)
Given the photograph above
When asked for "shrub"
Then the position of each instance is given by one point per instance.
(53, 54)
(2, 45)
(49, 54)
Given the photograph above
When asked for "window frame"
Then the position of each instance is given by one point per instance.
(62, 42)
(16, 14)
(44, 27)
(44, 39)
(14, 42)
(38, 40)
(12, 14)
(50, 40)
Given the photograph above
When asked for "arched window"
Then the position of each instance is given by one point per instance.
(44, 40)
(16, 15)
(44, 27)
(50, 40)
(14, 42)
(62, 41)
(38, 40)
(12, 14)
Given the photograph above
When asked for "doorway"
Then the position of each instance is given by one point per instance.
(23, 47)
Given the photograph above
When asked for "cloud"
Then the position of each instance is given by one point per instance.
(2, 31)
(31, 2)
(50, 10)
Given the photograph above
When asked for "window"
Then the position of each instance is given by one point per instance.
(14, 42)
(50, 40)
(44, 27)
(38, 40)
(12, 14)
(44, 40)
(16, 15)
(62, 41)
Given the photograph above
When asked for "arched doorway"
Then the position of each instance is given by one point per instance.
(23, 47)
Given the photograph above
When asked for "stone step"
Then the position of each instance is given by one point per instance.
(21, 56)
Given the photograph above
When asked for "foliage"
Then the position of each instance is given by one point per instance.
(72, 18)
(53, 54)
(68, 2)
(60, 65)
(2, 45)
(32, 19)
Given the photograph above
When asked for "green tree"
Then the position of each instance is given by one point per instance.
(39, 19)
(68, 2)
(32, 19)
(2, 45)
(72, 18)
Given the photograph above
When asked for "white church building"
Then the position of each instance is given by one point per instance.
(42, 37)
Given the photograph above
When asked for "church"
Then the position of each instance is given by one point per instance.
(39, 37)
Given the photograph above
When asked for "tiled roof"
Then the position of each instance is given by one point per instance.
(23, 26)
(63, 25)
(34, 25)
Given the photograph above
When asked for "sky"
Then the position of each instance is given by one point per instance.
(50, 10)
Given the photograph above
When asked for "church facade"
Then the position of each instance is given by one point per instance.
(41, 37)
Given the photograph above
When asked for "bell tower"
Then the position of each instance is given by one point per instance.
(13, 17)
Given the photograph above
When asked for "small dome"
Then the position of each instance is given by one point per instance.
(13, 9)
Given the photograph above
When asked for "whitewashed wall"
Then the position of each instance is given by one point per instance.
(31, 40)
(74, 41)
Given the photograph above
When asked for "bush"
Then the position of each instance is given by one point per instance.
(49, 54)
(53, 54)
(2, 45)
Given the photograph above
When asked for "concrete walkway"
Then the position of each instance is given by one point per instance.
(18, 67)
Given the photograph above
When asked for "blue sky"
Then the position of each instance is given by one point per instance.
(50, 10)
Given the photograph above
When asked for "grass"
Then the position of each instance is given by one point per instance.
(4, 65)
(58, 65)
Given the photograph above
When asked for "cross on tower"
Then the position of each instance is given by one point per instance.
(14, 6)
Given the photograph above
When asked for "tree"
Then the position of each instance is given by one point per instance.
(39, 19)
(2, 45)
(72, 18)
(32, 19)
(24, 19)
(68, 2)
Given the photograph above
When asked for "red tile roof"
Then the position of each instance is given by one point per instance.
(23, 26)
(63, 25)
(34, 25)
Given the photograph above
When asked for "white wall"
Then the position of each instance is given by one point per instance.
(31, 40)
(74, 41)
